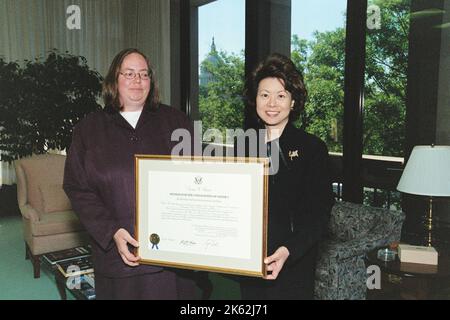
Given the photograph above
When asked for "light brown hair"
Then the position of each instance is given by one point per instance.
(110, 87)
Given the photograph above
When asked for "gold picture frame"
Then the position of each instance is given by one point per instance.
(202, 213)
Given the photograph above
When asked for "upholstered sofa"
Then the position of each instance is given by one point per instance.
(49, 224)
(354, 230)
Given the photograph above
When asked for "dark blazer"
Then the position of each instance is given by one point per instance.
(99, 176)
(300, 193)
(300, 201)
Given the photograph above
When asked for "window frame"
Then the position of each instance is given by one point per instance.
(352, 168)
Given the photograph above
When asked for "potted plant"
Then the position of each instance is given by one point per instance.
(44, 100)
(40, 103)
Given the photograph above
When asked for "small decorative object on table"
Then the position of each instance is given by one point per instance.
(386, 254)
(417, 254)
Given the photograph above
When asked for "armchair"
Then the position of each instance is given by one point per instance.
(354, 230)
(49, 224)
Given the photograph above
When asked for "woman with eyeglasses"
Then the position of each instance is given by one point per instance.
(99, 179)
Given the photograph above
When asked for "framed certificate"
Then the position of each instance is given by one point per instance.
(202, 213)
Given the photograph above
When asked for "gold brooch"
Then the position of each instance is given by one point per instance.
(293, 154)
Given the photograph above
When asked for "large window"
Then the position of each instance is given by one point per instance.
(385, 91)
(221, 41)
(401, 88)
(386, 77)
(318, 49)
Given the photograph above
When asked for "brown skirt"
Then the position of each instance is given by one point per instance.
(164, 285)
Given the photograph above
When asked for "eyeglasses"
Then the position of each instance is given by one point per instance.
(131, 75)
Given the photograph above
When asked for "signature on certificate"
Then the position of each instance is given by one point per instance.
(211, 243)
(187, 243)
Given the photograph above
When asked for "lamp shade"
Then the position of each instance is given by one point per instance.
(427, 172)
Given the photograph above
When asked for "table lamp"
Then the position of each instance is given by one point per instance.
(427, 173)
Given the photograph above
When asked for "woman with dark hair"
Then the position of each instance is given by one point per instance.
(99, 179)
(300, 193)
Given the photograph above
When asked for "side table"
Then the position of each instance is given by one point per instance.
(421, 278)
(79, 294)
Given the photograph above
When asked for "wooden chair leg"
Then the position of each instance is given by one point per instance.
(27, 252)
(35, 260)
(61, 285)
